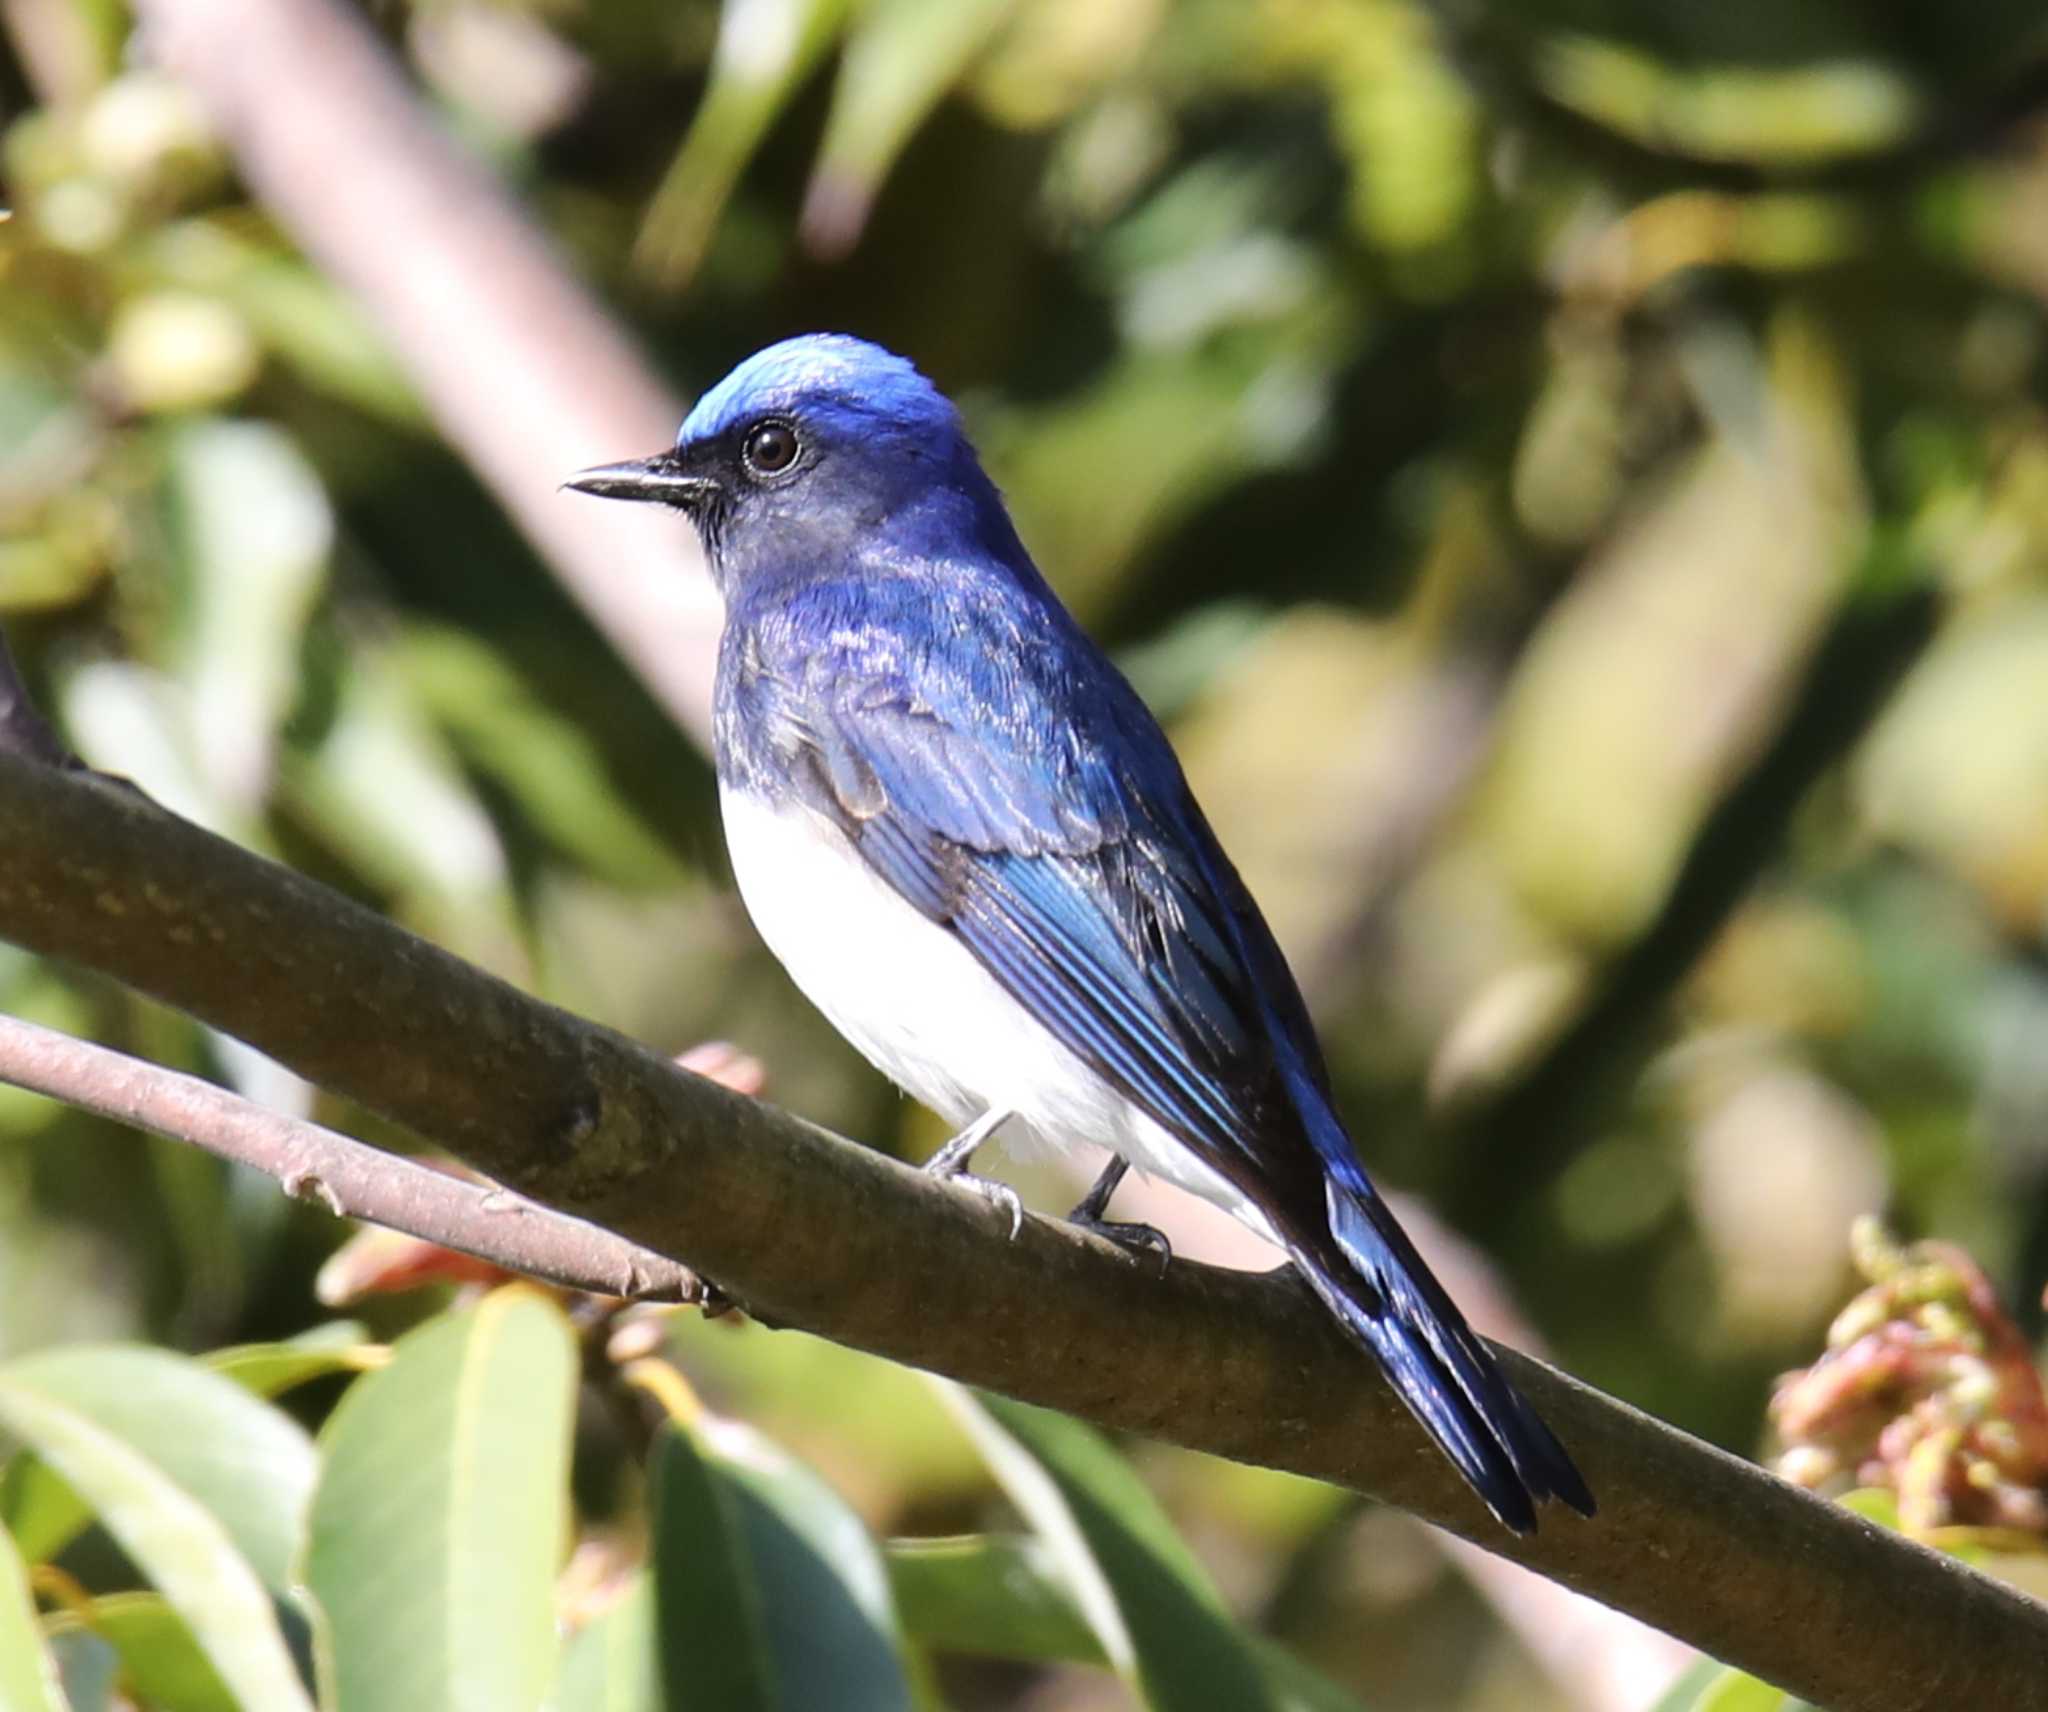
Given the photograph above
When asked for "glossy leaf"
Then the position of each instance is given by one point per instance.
(711, 1632)
(1161, 1623)
(270, 1369)
(998, 1596)
(28, 1674)
(438, 1523)
(751, 1543)
(248, 1464)
(176, 1543)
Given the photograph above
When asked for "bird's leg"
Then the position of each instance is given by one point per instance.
(950, 1162)
(1088, 1215)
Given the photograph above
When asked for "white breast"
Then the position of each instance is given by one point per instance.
(915, 1003)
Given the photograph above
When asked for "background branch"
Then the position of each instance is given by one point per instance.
(525, 373)
(348, 1177)
(811, 1231)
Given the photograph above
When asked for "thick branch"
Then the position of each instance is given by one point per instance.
(348, 1177)
(814, 1232)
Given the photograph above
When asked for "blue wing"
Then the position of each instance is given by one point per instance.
(1017, 792)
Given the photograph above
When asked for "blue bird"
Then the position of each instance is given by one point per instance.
(972, 847)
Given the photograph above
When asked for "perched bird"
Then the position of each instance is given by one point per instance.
(974, 850)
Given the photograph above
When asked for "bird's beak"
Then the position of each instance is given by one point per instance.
(662, 477)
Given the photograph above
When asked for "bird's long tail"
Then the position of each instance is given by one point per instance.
(1372, 1279)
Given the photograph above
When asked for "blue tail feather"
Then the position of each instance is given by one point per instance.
(1370, 1276)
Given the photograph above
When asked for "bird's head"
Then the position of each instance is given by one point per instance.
(802, 447)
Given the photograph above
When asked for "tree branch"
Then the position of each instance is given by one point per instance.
(349, 1178)
(811, 1231)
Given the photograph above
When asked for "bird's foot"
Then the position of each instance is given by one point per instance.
(1136, 1239)
(1088, 1215)
(949, 1165)
(999, 1195)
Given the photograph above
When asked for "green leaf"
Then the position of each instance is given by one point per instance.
(28, 1674)
(1003, 1596)
(439, 1518)
(161, 1661)
(711, 1633)
(992, 1595)
(746, 1531)
(764, 49)
(183, 1550)
(39, 1512)
(384, 789)
(1710, 1686)
(1160, 1622)
(270, 1369)
(900, 59)
(249, 1465)
(540, 757)
(250, 531)
(609, 1666)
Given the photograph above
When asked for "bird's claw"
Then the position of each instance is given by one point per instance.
(948, 1165)
(997, 1195)
(1132, 1238)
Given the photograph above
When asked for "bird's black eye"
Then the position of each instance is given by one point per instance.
(770, 449)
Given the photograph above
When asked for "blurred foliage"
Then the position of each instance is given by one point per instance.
(1470, 424)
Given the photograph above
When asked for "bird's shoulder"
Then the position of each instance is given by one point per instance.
(954, 698)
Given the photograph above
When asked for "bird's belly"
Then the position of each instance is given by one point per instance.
(917, 1005)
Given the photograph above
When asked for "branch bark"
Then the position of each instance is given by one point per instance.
(811, 1231)
(348, 1177)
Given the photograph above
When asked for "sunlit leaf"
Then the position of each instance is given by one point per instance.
(250, 1466)
(250, 529)
(269, 1369)
(28, 1675)
(764, 49)
(901, 58)
(1160, 1622)
(37, 1509)
(550, 768)
(383, 789)
(308, 321)
(1708, 1686)
(182, 1549)
(438, 1522)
